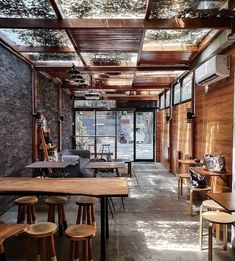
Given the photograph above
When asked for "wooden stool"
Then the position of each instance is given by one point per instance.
(86, 210)
(8, 230)
(58, 201)
(215, 217)
(210, 205)
(106, 150)
(192, 190)
(181, 177)
(78, 233)
(26, 205)
(41, 232)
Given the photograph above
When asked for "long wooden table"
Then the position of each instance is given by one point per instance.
(225, 199)
(205, 172)
(98, 187)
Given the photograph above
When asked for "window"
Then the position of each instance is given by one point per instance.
(107, 104)
(186, 90)
(168, 99)
(176, 94)
(162, 101)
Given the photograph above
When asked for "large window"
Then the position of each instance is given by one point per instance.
(168, 99)
(162, 101)
(186, 90)
(176, 94)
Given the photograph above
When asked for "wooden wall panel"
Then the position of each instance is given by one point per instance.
(181, 136)
(214, 121)
(162, 140)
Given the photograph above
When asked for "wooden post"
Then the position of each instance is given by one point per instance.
(59, 104)
(34, 120)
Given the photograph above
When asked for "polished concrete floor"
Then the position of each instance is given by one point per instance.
(154, 226)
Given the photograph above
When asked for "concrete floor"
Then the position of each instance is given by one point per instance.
(155, 225)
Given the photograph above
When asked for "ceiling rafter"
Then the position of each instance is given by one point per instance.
(45, 49)
(148, 8)
(175, 23)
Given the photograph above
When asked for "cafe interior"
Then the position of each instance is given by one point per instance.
(117, 130)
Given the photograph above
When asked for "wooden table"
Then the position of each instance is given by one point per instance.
(98, 187)
(126, 161)
(225, 199)
(205, 172)
(105, 165)
(57, 165)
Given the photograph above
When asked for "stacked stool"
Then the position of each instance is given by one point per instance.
(221, 218)
(41, 232)
(53, 202)
(209, 205)
(26, 206)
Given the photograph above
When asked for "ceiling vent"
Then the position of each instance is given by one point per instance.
(92, 96)
(215, 69)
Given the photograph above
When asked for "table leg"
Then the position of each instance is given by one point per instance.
(129, 168)
(107, 218)
(103, 225)
(95, 173)
(117, 172)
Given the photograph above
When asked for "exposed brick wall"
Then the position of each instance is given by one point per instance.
(48, 103)
(67, 127)
(16, 118)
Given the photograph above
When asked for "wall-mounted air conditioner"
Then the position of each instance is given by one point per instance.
(215, 69)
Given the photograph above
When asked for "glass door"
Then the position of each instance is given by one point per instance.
(144, 135)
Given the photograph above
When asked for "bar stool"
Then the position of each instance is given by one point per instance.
(84, 233)
(41, 232)
(181, 178)
(86, 210)
(26, 205)
(209, 205)
(221, 218)
(57, 201)
(191, 194)
(106, 150)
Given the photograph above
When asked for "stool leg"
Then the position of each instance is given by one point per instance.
(88, 215)
(64, 217)
(30, 249)
(191, 203)
(33, 214)
(29, 216)
(2, 252)
(76, 252)
(89, 250)
(79, 215)
(60, 221)
(84, 217)
(19, 217)
(217, 233)
(179, 189)
(72, 250)
(201, 228)
(85, 250)
(225, 236)
(52, 248)
(93, 215)
(210, 242)
(42, 249)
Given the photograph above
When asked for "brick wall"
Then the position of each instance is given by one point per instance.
(16, 118)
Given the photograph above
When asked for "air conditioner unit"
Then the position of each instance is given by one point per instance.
(92, 96)
(215, 69)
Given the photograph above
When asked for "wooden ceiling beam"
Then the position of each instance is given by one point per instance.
(131, 97)
(148, 8)
(46, 49)
(67, 24)
(56, 9)
(54, 67)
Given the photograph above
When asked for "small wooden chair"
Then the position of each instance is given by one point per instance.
(41, 232)
(57, 201)
(86, 210)
(215, 217)
(209, 205)
(26, 205)
(80, 233)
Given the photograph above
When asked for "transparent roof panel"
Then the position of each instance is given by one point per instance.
(26, 9)
(188, 8)
(37, 37)
(174, 37)
(110, 59)
(54, 57)
(102, 8)
(159, 73)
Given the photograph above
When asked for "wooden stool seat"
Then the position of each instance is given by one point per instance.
(216, 217)
(26, 205)
(57, 201)
(180, 182)
(86, 210)
(192, 190)
(41, 232)
(209, 205)
(84, 233)
(42, 229)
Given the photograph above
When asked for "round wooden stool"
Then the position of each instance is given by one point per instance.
(192, 191)
(41, 232)
(86, 210)
(215, 217)
(83, 233)
(181, 177)
(26, 205)
(57, 201)
(209, 205)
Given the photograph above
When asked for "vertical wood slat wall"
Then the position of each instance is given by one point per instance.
(213, 126)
